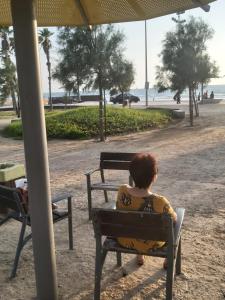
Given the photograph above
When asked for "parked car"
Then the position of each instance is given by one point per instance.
(121, 97)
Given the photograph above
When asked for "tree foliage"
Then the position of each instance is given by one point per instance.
(8, 75)
(8, 80)
(185, 62)
(73, 69)
(105, 43)
(89, 56)
(93, 58)
(122, 73)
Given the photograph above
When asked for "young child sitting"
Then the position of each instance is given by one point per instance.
(143, 170)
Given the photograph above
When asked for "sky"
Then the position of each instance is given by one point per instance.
(156, 29)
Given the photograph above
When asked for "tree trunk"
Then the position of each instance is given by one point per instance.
(129, 103)
(18, 105)
(105, 115)
(101, 111)
(195, 104)
(15, 107)
(202, 92)
(190, 106)
(66, 100)
(71, 98)
(78, 90)
(49, 83)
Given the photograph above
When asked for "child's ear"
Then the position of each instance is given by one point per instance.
(155, 177)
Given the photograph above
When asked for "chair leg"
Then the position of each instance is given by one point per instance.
(169, 278)
(104, 253)
(99, 260)
(70, 223)
(119, 259)
(18, 249)
(97, 279)
(89, 196)
(106, 196)
(130, 181)
(178, 260)
(103, 180)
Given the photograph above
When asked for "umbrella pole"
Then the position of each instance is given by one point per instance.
(35, 146)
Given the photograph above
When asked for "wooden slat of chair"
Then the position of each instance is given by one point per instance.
(111, 244)
(122, 156)
(139, 225)
(105, 186)
(114, 165)
(132, 224)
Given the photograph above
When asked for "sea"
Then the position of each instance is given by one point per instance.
(153, 95)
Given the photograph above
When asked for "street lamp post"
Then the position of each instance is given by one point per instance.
(146, 67)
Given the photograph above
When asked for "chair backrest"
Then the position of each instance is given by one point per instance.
(116, 160)
(132, 224)
(10, 198)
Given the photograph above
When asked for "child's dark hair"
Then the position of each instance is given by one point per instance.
(143, 169)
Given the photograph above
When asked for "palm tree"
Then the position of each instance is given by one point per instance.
(45, 42)
(8, 78)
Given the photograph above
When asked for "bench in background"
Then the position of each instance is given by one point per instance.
(108, 161)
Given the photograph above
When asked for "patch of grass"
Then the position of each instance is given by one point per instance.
(83, 122)
(7, 114)
(13, 130)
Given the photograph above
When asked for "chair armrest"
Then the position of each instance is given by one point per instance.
(178, 224)
(61, 197)
(91, 172)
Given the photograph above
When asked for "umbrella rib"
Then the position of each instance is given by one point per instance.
(82, 11)
(199, 3)
(136, 7)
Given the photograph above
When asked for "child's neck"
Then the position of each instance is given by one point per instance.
(148, 189)
(141, 192)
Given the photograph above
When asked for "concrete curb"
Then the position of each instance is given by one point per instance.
(178, 113)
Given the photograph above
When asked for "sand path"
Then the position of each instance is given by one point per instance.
(191, 175)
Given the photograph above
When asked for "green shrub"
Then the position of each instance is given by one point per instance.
(14, 130)
(83, 122)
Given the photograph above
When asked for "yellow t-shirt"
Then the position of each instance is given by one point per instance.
(126, 201)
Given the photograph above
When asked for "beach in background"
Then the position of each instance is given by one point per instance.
(154, 98)
(153, 95)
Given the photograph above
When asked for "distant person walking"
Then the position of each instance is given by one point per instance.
(177, 97)
(205, 95)
(212, 95)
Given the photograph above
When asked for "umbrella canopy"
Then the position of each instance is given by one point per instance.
(80, 12)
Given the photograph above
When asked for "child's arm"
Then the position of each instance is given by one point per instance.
(162, 205)
(168, 209)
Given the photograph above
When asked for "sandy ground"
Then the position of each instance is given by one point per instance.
(191, 175)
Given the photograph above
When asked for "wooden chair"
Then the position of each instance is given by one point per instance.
(108, 161)
(138, 225)
(11, 199)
